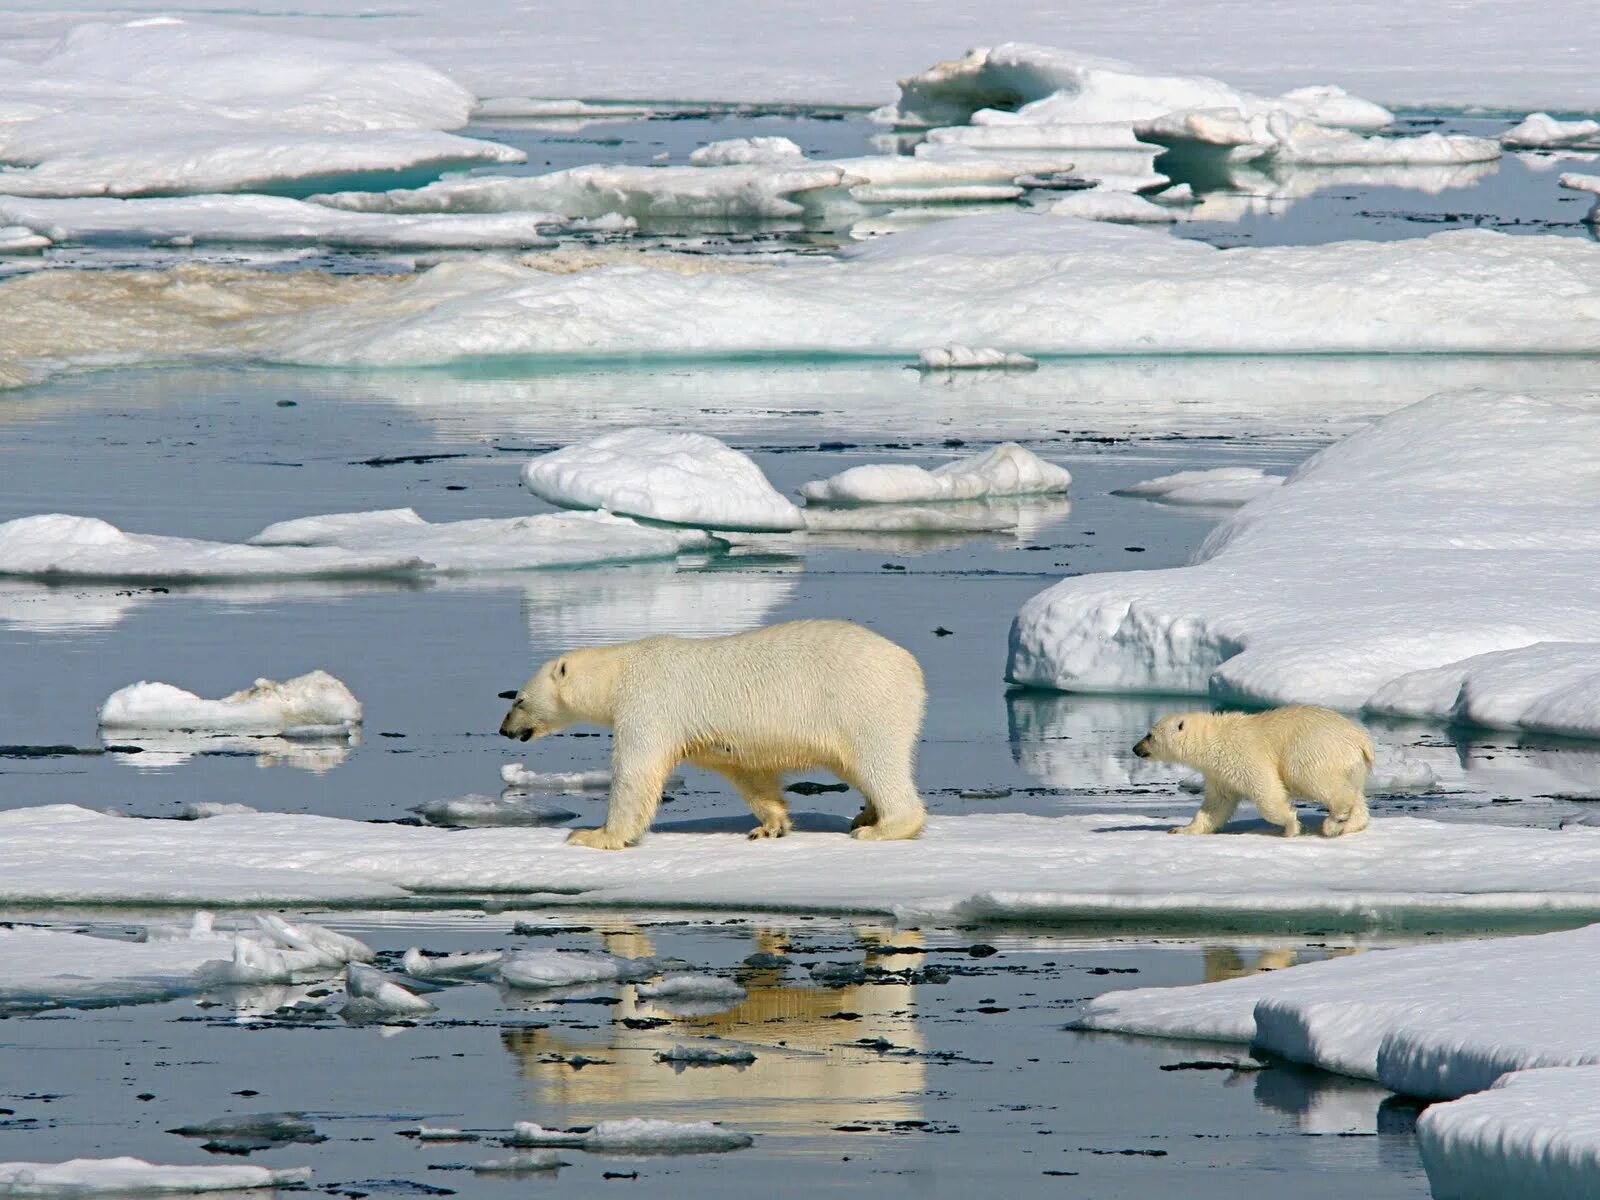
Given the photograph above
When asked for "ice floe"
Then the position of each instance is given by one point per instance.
(1534, 1134)
(555, 968)
(315, 701)
(136, 1177)
(1465, 526)
(163, 106)
(1575, 182)
(1541, 131)
(267, 220)
(955, 357)
(689, 986)
(1221, 487)
(373, 996)
(1006, 470)
(21, 239)
(1402, 872)
(484, 544)
(707, 1054)
(747, 150)
(1546, 687)
(517, 775)
(451, 966)
(663, 475)
(492, 810)
(637, 1136)
(1434, 1021)
(1120, 207)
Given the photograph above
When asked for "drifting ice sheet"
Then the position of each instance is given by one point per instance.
(135, 1177)
(554, 968)
(1466, 525)
(1541, 131)
(1281, 137)
(1402, 872)
(1223, 487)
(315, 700)
(663, 475)
(1006, 470)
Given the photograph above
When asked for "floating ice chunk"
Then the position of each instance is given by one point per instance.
(268, 220)
(530, 1133)
(271, 1127)
(435, 1133)
(641, 1136)
(1541, 131)
(707, 1054)
(526, 107)
(553, 968)
(492, 810)
(451, 966)
(135, 1177)
(1394, 773)
(940, 165)
(41, 968)
(57, 546)
(967, 193)
(1029, 135)
(1475, 510)
(520, 1163)
(1534, 1134)
(199, 810)
(20, 239)
(268, 707)
(1575, 182)
(748, 150)
(1050, 86)
(663, 475)
(1102, 205)
(956, 357)
(516, 775)
(373, 997)
(691, 986)
(1221, 487)
(485, 544)
(1006, 470)
(335, 947)
(1548, 687)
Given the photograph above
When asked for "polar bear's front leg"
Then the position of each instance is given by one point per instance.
(1215, 811)
(639, 771)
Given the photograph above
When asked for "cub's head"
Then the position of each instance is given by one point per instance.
(544, 705)
(1172, 738)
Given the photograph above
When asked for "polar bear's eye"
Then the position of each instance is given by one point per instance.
(561, 668)
(1180, 726)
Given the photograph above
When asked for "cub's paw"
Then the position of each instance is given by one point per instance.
(596, 839)
(1332, 828)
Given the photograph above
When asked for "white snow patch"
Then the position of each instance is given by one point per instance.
(1006, 470)
(555, 968)
(1221, 487)
(136, 1177)
(1541, 131)
(1466, 525)
(663, 475)
(315, 700)
(747, 150)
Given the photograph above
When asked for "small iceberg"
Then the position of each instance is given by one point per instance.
(705, 1055)
(315, 701)
(451, 966)
(636, 1136)
(692, 986)
(956, 357)
(1006, 470)
(1541, 131)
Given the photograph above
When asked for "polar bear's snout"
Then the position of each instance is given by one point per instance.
(1141, 748)
(518, 725)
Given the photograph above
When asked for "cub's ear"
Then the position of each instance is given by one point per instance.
(512, 695)
(561, 669)
(1180, 726)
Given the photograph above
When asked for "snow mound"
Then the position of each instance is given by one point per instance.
(1121, 207)
(555, 968)
(1548, 687)
(492, 810)
(1466, 525)
(690, 986)
(1510, 1004)
(58, 546)
(1221, 487)
(955, 357)
(484, 544)
(315, 700)
(1006, 470)
(135, 1177)
(1541, 131)
(516, 775)
(451, 966)
(1534, 1134)
(748, 150)
(663, 475)
(371, 996)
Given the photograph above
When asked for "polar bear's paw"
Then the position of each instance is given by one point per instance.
(1193, 827)
(881, 832)
(770, 831)
(597, 839)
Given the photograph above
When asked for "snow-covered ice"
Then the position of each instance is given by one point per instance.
(199, 810)
(1121, 207)
(636, 1136)
(1222, 487)
(556, 968)
(1534, 1134)
(747, 150)
(136, 1177)
(521, 1163)
(707, 1054)
(1006, 470)
(372, 996)
(517, 775)
(1541, 131)
(1465, 525)
(492, 810)
(1547, 687)
(21, 239)
(1402, 872)
(663, 475)
(1576, 182)
(690, 986)
(956, 357)
(313, 701)
(451, 966)
(484, 544)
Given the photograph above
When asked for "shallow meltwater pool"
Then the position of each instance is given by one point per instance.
(877, 1060)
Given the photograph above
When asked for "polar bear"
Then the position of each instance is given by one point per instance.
(1301, 750)
(751, 706)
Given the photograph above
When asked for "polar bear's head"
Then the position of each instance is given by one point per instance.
(1172, 739)
(566, 691)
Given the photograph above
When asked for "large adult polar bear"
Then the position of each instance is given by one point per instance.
(1268, 757)
(805, 694)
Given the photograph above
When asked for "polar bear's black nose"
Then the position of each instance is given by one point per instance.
(1141, 748)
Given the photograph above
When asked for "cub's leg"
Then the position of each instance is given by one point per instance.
(1347, 811)
(763, 792)
(638, 773)
(1215, 811)
(1273, 800)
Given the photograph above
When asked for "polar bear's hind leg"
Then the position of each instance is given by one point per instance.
(763, 792)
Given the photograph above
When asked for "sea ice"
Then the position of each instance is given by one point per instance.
(747, 150)
(516, 775)
(135, 1177)
(707, 1054)
(451, 966)
(1035, 135)
(1575, 182)
(20, 239)
(1006, 470)
(528, 108)
(315, 699)
(1541, 131)
(484, 544)
(1220, 487)
(492, 810)
(1123, 207)
(956, 357)
(199, 810)
(663, 475)
(642, 1136)
(1465, 525)
(690, 986)
(555, 968)
(372, 996)
(548, 1161)
(1546, 687)
(1534, 1135)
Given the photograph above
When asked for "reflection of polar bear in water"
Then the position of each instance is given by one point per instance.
(1268, 757)
(750, 707)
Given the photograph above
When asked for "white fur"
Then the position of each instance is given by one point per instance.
(806, 694)
(1269, 757)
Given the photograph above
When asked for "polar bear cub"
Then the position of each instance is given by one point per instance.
(750, 707)
(1268, 757)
